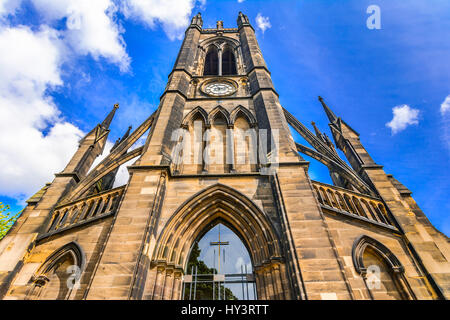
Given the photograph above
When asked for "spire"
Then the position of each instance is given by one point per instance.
(197, 20)
(318, 133)
(105, 124)
(90, 147)
(127, 133)
(323, 137)
(119, 140)
(331, 116)
(336, 123)
(102, 129)
(242, 20)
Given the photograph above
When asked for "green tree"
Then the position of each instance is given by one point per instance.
(204, 291)
(6, 219)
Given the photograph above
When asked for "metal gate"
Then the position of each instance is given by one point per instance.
(215, 285)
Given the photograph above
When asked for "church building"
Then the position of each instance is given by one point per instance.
(220, 160)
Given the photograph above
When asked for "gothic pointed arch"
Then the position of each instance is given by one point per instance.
(197, 112)
(219, 110)
(228, 61)
(54, 269)
(219, 41)
(362, 243)
(218, 203)
(221, 50)
(211, 66)
(223, 204)
(241, 111)
(381, 270)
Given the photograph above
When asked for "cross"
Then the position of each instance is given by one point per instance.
(219, 243)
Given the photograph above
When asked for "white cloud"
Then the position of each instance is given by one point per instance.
(90, 27)
(445, 119)
(9, 7)
(403, 116)
(263, 23)
(240, 1)
(35, 141)
(445, 106)
(239, 262)
(123, 175)
(173, 15)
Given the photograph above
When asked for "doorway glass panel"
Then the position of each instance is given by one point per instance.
(219, 268)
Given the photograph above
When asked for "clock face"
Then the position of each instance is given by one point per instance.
(219, 89)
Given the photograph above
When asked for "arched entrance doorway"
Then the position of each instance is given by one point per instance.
(189, 223)
(219, 267)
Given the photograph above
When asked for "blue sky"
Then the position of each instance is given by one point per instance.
(65, 63)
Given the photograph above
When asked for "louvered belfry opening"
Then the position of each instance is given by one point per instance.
(211, 63)
(228, 62)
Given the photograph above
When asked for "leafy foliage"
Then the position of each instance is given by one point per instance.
(204, 291)
(6, 220)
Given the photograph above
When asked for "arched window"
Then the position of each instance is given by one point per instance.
(191, 157)
(197, 130)
(188, 152)
(211, 62)
(228, 62)
(222, 204)
(382, 272)
(245, 142)
(216, 144)
(219, 62)
(59, 275)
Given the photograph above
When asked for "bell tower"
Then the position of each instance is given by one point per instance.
(219, 152)
(218, 136)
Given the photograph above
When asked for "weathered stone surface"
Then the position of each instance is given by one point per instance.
(303, 244)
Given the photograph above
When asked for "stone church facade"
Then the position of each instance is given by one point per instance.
(363, 237)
